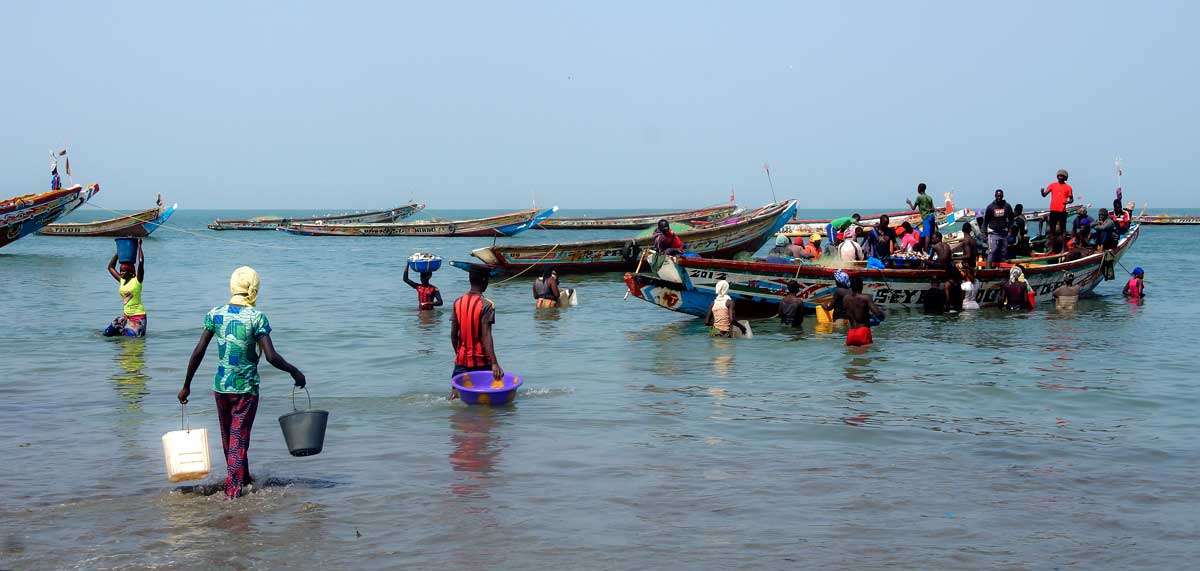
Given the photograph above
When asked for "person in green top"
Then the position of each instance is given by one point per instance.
(132, 321)
(838, 225)
(241, 331)
(924, 205)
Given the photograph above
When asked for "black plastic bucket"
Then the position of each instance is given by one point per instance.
(304, 430)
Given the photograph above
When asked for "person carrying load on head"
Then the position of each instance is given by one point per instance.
(667, 241)
(924, 205)
(243, 334)
(1061, 194)
(428, 295)
(721, 315)
(132, 321)
(471, 330)
(545, 288)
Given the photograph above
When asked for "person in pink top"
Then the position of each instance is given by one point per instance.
(1136, 287)
(909, 240)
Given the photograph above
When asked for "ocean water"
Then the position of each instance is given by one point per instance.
(1034, 441)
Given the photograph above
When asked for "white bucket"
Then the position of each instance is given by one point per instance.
(186, 454)
(568, 297)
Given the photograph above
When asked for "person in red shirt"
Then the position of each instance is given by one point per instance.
(471, 330)
(1061, 194)
(666, 241)
(428, 295)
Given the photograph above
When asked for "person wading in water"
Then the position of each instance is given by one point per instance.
(859, 309)
(471, 331)
(428, 295)
(241, 331)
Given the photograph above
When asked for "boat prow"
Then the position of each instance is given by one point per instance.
(23, 215)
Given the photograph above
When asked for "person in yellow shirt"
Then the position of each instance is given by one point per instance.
(132, 321)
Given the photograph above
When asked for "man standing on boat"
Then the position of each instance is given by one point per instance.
(55, 181)
(997, 219)
(924, 205)
(1061, 194)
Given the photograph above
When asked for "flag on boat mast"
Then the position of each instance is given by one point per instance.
(731, 196)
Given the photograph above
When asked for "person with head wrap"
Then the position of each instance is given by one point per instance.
(243, 334)
(1066, 296)
(785, 250)
(1061, 194)
(1135, 288)
(850, 250)
(132, 321)
(841, 282)
(721, 315)
(1013, 294)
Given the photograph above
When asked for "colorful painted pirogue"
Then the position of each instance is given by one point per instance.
(638, 221)
(508, 224)
(688, 285)
(273, 222)
(748, 235)
(136, 225)
(24, 215)
(1168, 219)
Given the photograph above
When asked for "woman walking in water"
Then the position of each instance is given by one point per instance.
(132, 321)
(241, 331)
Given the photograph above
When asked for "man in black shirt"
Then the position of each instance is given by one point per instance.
(998, 218)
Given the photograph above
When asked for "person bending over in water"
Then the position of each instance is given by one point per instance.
(1135, 288)
(428, 295)
(241, 331)
(132, 321)
(859, 309)
(471, 331)
(791, 307)
(545, 288)
(1067, 295)
(721, 315)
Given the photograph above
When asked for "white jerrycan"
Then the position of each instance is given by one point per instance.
(186, 452)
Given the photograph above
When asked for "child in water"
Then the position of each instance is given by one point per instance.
(1136, 287)
(241, 331)
(428, 295)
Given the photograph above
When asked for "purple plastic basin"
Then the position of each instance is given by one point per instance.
(479, 387)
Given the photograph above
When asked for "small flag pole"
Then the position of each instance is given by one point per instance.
(767, 167)
(1119, 173)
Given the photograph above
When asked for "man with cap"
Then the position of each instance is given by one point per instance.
(812, 250)
(1061, 194)
(997, 219)
(1136, 287)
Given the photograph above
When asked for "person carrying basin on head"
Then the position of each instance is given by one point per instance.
(428, 295)
(132, 321)
(243, 334)
(471, 330)
(545, 288)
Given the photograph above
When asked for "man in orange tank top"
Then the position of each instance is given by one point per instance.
(471, 331)
(1061, 194)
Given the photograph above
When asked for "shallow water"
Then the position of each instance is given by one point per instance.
(1039, 440)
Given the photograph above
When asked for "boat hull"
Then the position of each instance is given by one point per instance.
(508, 224)
(623, 255)
(1161, 220)
(688, 285)
(638, 221)
(22, 216)
(137, 225)
(371, 217)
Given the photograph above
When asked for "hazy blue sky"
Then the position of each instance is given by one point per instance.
(604, 104)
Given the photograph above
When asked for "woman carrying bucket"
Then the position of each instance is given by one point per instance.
(132, 321)
(241, 330)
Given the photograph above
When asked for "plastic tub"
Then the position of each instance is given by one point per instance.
(479, 387)
(127, 250)
(424, 263)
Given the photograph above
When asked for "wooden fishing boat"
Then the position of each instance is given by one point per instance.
(1168, 219)
(638, 221)
(688, 285)
(24, 215)
(748, 235)
(273, 222)
(509, 224)
(136, 225)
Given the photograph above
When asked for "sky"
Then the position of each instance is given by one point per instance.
(329, 105)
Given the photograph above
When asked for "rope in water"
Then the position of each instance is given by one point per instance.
(198, 235)
(534, 265)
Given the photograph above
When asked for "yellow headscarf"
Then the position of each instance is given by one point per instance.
(244, 286)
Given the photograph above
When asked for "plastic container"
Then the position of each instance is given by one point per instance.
(424, 263)
(479, 387)
(127, 250)
(824, 316)
(304, 430)
(186, 453)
